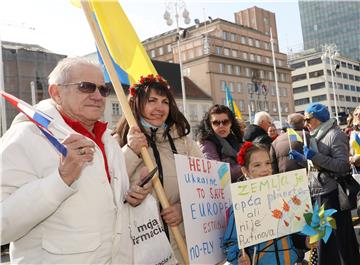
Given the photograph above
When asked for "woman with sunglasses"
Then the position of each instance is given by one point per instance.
(220, 138)
(163, 128)
(355, 140)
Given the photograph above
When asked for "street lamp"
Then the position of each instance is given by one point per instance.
(177, 7)
(330, 51)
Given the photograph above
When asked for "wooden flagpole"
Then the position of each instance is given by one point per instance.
(131, 119)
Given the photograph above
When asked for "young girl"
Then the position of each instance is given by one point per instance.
(255, 162)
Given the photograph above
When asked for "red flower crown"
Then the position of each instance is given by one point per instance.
(147, 81)
(242, 152)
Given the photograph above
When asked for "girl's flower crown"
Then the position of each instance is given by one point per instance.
(147, 81)
(242, 152)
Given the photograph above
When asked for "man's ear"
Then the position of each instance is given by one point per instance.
(55, 93)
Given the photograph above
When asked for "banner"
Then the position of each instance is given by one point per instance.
(270, 207)
(204, 187)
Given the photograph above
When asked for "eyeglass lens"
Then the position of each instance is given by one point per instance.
(223, 122)
(88, 87)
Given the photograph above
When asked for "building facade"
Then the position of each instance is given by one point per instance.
(325, 22)
(25, 64)
(312, 81)
(218, 52)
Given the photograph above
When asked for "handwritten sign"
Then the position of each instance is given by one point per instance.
(270, 207)
(205, 195)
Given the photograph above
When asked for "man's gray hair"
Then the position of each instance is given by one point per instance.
(60, 74)
(261, 116)
(296, 121)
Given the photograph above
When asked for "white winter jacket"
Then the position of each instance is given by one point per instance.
(48, 222)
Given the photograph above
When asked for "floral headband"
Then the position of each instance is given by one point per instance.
(242, 152)
(147, 81)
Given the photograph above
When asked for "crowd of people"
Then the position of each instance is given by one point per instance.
(75, 208)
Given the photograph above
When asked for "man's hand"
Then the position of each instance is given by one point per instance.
(79, 151)
(172, 215)
(244, 259)
(295, 155)
(136, 194)
(136, 139)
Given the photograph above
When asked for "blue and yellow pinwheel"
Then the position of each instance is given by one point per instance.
(319, 224)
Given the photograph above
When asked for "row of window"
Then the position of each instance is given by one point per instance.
(230, 36)
(341, 98)
(260, 105)
(246, 56)
(320, 85)
(161, 51)
(319, 61)
(319, 73)
(250, 88)
(248, 72)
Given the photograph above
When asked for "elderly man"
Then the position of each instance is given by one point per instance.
(257, 132)
(328, 150)
(280, 147)
(71, 209)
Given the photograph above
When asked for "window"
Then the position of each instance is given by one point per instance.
(297, 65)
(298, 77)
(243, 40)
(273, 91)
(237, 70)
(115, 109)
(267, 60)
(247, 71)
(222, 85)
(348, 99)
(314, 61)
(169, 49)
(257, 43)
(271, 75)
(300, 89)
(231, 86)
(316, 74)
(317, 86)
(225, 35)
(342, 98)
(232, 37)
(250, 41)
(152, 53)
(238, 87)
(245, 55)
(351, 77)
(252, 57)
(319, 98)
(262, 74)
(352, 88)
(218, 50)
(301, 101)
(343, 64)
(234, 53)
(258, 58)
(241, 105)
(354, 99)
(274, 107)
(345, 75)
(221, 67)
(229, 69)
(267, 46)
(226, 52)
(161, 50)
(346, 87)
(284, 91)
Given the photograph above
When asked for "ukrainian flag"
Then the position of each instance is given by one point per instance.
(127, 53)
(293, 135)
(231, 103)
(356, 144)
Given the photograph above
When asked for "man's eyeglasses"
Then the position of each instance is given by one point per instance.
(88, 87)
(307, 120)
(223, 122)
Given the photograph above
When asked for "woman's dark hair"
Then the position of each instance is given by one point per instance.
(205, 129)
(253, 149)
(137, 104)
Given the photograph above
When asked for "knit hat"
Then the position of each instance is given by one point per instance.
(317, 111)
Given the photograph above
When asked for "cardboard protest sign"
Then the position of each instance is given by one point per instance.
(205, 195)
(270, 207)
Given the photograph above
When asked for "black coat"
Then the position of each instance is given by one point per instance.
(256, 134)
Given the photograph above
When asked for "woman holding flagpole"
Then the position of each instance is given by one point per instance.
(220, 138)
(164, 129)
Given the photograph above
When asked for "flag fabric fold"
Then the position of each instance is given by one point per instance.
(128, 54)
(356, 144)
(230, 103)
(293, 135)
(39, 118)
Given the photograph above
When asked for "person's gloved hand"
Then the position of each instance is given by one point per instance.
(309, 153)
(295, 155)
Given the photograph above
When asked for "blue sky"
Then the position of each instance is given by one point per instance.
(62, 28)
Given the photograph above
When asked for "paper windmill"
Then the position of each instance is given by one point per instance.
(319, 224)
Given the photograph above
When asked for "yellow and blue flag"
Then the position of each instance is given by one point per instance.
(231, 103)
(293, 135)
(356, 144)
(127, 53)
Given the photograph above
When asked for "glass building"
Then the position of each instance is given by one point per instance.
(326, 22)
